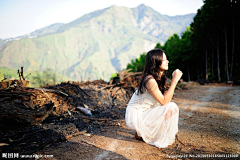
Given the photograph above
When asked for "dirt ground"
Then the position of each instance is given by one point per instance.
(209, 126)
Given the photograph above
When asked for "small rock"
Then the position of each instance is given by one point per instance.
(87, 134)
(103, 130)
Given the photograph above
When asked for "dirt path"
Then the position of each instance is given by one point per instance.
(209, 123)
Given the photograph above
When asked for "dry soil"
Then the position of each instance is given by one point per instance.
(209, 126)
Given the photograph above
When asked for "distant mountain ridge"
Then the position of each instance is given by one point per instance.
(43, 31)
(38, 33)
(160, 26)
(95, 45)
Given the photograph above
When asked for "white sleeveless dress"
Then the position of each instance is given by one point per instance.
(157, 124)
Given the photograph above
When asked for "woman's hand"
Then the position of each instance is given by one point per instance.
(176, 75)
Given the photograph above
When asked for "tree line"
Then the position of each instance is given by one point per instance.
(209, 48)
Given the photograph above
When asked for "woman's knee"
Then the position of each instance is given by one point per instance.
(172, 104)
(173, 107)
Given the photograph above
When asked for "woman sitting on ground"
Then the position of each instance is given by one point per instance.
(150, 112)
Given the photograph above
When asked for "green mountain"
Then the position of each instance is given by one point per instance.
(95, 45)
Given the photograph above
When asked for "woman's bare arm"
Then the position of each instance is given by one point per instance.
(165, 98)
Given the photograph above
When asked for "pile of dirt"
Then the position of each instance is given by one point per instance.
(32, 118)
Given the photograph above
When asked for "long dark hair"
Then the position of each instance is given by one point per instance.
(152, 67)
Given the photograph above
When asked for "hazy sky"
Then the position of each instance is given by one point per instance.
(19, 17)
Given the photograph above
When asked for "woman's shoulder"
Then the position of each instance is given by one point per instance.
(147, 78)
(150, 76)
(151, 83)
